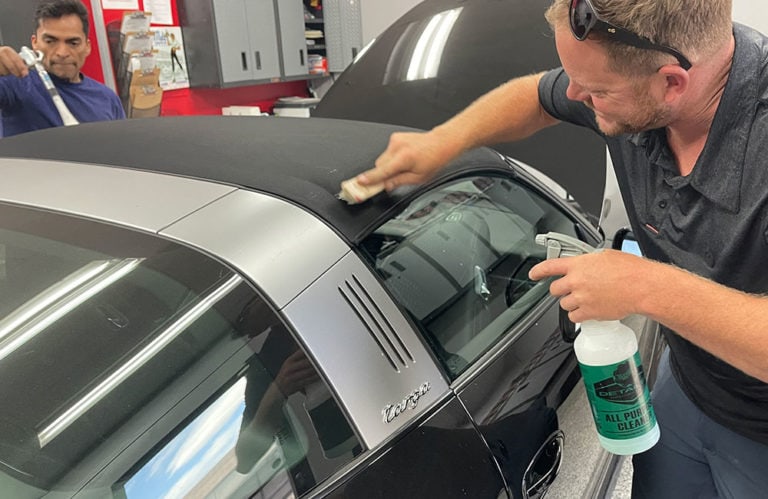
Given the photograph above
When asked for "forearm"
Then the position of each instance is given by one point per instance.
(508, 113)
(729, 324)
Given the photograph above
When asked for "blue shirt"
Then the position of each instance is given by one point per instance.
(713, 222)
(26, 105)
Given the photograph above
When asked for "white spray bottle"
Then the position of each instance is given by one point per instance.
(613, 376)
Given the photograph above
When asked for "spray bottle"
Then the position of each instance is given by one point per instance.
(610, 365)
(34, 59)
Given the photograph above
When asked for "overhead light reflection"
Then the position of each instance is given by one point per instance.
(428, 52)
(58, 300)
(133, 364)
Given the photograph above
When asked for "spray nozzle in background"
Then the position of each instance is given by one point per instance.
(30, 57)
(34, 59)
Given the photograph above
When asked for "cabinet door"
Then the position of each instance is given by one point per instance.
(351, 30)
(294, 44)
(343, 32)
(235, 55)
(262, 33)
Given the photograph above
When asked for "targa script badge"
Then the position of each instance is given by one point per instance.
(392, 411)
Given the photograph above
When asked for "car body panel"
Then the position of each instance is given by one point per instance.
(517, 391)
(400, 380)
(417, 466)
(137, 199)
(259, 235)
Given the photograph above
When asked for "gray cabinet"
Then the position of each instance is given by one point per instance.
(247, 40)
(293, 45)
(240, 42)
(343, 32)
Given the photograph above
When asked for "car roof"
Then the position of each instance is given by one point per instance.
(302, 160)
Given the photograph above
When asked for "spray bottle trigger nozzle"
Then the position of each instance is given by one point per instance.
(30, 57)
(560, 245)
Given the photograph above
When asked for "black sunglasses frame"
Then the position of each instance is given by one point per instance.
(586, 11)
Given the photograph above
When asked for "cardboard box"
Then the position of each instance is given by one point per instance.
(141, 78)
(144, 101)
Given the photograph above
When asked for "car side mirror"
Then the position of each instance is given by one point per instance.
(569, 330)
(625, 240)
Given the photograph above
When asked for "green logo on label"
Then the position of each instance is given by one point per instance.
(620, 399)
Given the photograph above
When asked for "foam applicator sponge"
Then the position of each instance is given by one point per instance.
(353, 193)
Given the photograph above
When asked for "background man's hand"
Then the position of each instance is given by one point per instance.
(12, 63)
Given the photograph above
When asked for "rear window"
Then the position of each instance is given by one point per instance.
(111, 339)
(457, 260)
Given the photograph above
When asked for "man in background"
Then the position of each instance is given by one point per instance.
(61, 35)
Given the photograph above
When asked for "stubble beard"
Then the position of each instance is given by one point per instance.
(648, 115)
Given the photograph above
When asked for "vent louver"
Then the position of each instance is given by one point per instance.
(380, 329)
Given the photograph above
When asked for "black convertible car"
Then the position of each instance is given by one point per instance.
(188, 310)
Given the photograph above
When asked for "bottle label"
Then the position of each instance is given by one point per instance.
(620, 400)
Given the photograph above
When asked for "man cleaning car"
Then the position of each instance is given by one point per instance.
(678, 92)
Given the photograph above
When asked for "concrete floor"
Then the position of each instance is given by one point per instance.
(583, 458)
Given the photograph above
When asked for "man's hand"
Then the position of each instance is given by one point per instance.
(605, 285)
(295, 373)
(410, 158)
(12, 63)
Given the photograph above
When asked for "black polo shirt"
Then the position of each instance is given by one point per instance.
(713, 222)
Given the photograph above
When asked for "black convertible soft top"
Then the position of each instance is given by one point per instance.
(302, 160)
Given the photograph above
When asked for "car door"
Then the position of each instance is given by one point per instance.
(457, 260)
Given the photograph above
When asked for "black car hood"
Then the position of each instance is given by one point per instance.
(488, 42)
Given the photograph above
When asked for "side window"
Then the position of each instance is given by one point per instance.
(272, 429)
(143, 368)
(457, 259)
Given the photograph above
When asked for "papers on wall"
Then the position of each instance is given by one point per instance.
(161, 11)
(135, 22)
(170, 57)
(120, 4)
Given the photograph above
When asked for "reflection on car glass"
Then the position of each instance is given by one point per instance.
(457, 258)
(257, 435)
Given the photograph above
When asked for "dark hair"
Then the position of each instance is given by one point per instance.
(56, 9)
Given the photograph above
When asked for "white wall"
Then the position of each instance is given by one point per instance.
(752, 13)
(377, 15)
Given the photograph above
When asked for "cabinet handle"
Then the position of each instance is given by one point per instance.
(244, 61)
(301, 57)
(354, 53)
(258, 60)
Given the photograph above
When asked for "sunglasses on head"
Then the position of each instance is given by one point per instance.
(584, 19)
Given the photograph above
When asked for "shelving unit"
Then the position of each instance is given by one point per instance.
(314, 31)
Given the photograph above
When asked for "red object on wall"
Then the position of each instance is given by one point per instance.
(92, 66)
(191, 101)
